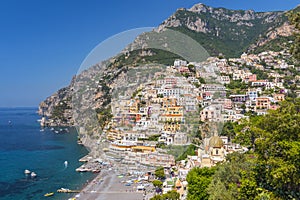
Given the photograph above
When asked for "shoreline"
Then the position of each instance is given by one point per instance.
(108, 186)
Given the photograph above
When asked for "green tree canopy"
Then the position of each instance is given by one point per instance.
(170, 195)
(270, 170)
(157, 183)
(160, 173)
(198, 180)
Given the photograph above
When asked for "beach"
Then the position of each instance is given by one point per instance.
(109, 186)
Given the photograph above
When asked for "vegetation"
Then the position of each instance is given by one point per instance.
(170, 195)
(157, 183)
(294, 18)
(59, 110)
(153, 137)
(199, 180)
(230, 43)
(104, 115)
(135, 93)
(270, 170)
(189, 151)
(260, 74)
(278, 44)
(228, 129)
(160, 173)
(237, 84)
(134, 58)
(178, 151)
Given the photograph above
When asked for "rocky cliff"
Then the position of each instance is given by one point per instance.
(57, 108)
(229, 32)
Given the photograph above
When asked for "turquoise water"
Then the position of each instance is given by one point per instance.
(24, 146)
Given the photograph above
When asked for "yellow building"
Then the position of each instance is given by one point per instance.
(169, 102)
(172, 118)
(113, 135)
(134, 106)
(143, 149)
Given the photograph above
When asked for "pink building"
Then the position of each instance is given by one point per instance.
(252, 78)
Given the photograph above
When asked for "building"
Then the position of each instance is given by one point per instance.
(239, 98)
(223, 79)
(279, 97)
(216, 150)
(211, 113)
(252, 94)
(262, 103)
(213, 87)
(178, 63)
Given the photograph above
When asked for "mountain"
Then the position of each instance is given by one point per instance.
(229, 32)
(202, 31)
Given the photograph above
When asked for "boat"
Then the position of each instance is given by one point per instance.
(96, 171)
(49, 194)
(66, 190)
(43, 122)
(33, 174)
(27, 172)
(66, 164)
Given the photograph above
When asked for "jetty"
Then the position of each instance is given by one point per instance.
(89, 167)
(90, 164)
(86, 158)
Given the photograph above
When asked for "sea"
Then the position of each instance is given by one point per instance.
(24, 145)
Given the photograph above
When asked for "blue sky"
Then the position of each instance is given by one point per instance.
(42, 43)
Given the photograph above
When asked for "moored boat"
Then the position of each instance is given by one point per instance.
(49, 194)
(33, 174)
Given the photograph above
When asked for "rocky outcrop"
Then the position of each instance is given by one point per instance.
(284, 30)
(57, 108)
(233, 31)
(197, 17)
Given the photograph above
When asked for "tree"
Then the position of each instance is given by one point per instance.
(276, 141)
(228, 130)
(189, 151)
(270, 170)
(160, 172)
(234, 179)
(170, 195)
(157, 183)
(278, 149)
(157, 197)
(198, 181)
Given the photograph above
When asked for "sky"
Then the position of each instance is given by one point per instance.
(43, 43)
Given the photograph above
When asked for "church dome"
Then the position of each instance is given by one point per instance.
(215, 141)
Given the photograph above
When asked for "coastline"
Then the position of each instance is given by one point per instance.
(108, 186)
(110, 182)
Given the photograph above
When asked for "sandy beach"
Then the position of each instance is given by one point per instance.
(108, 186)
